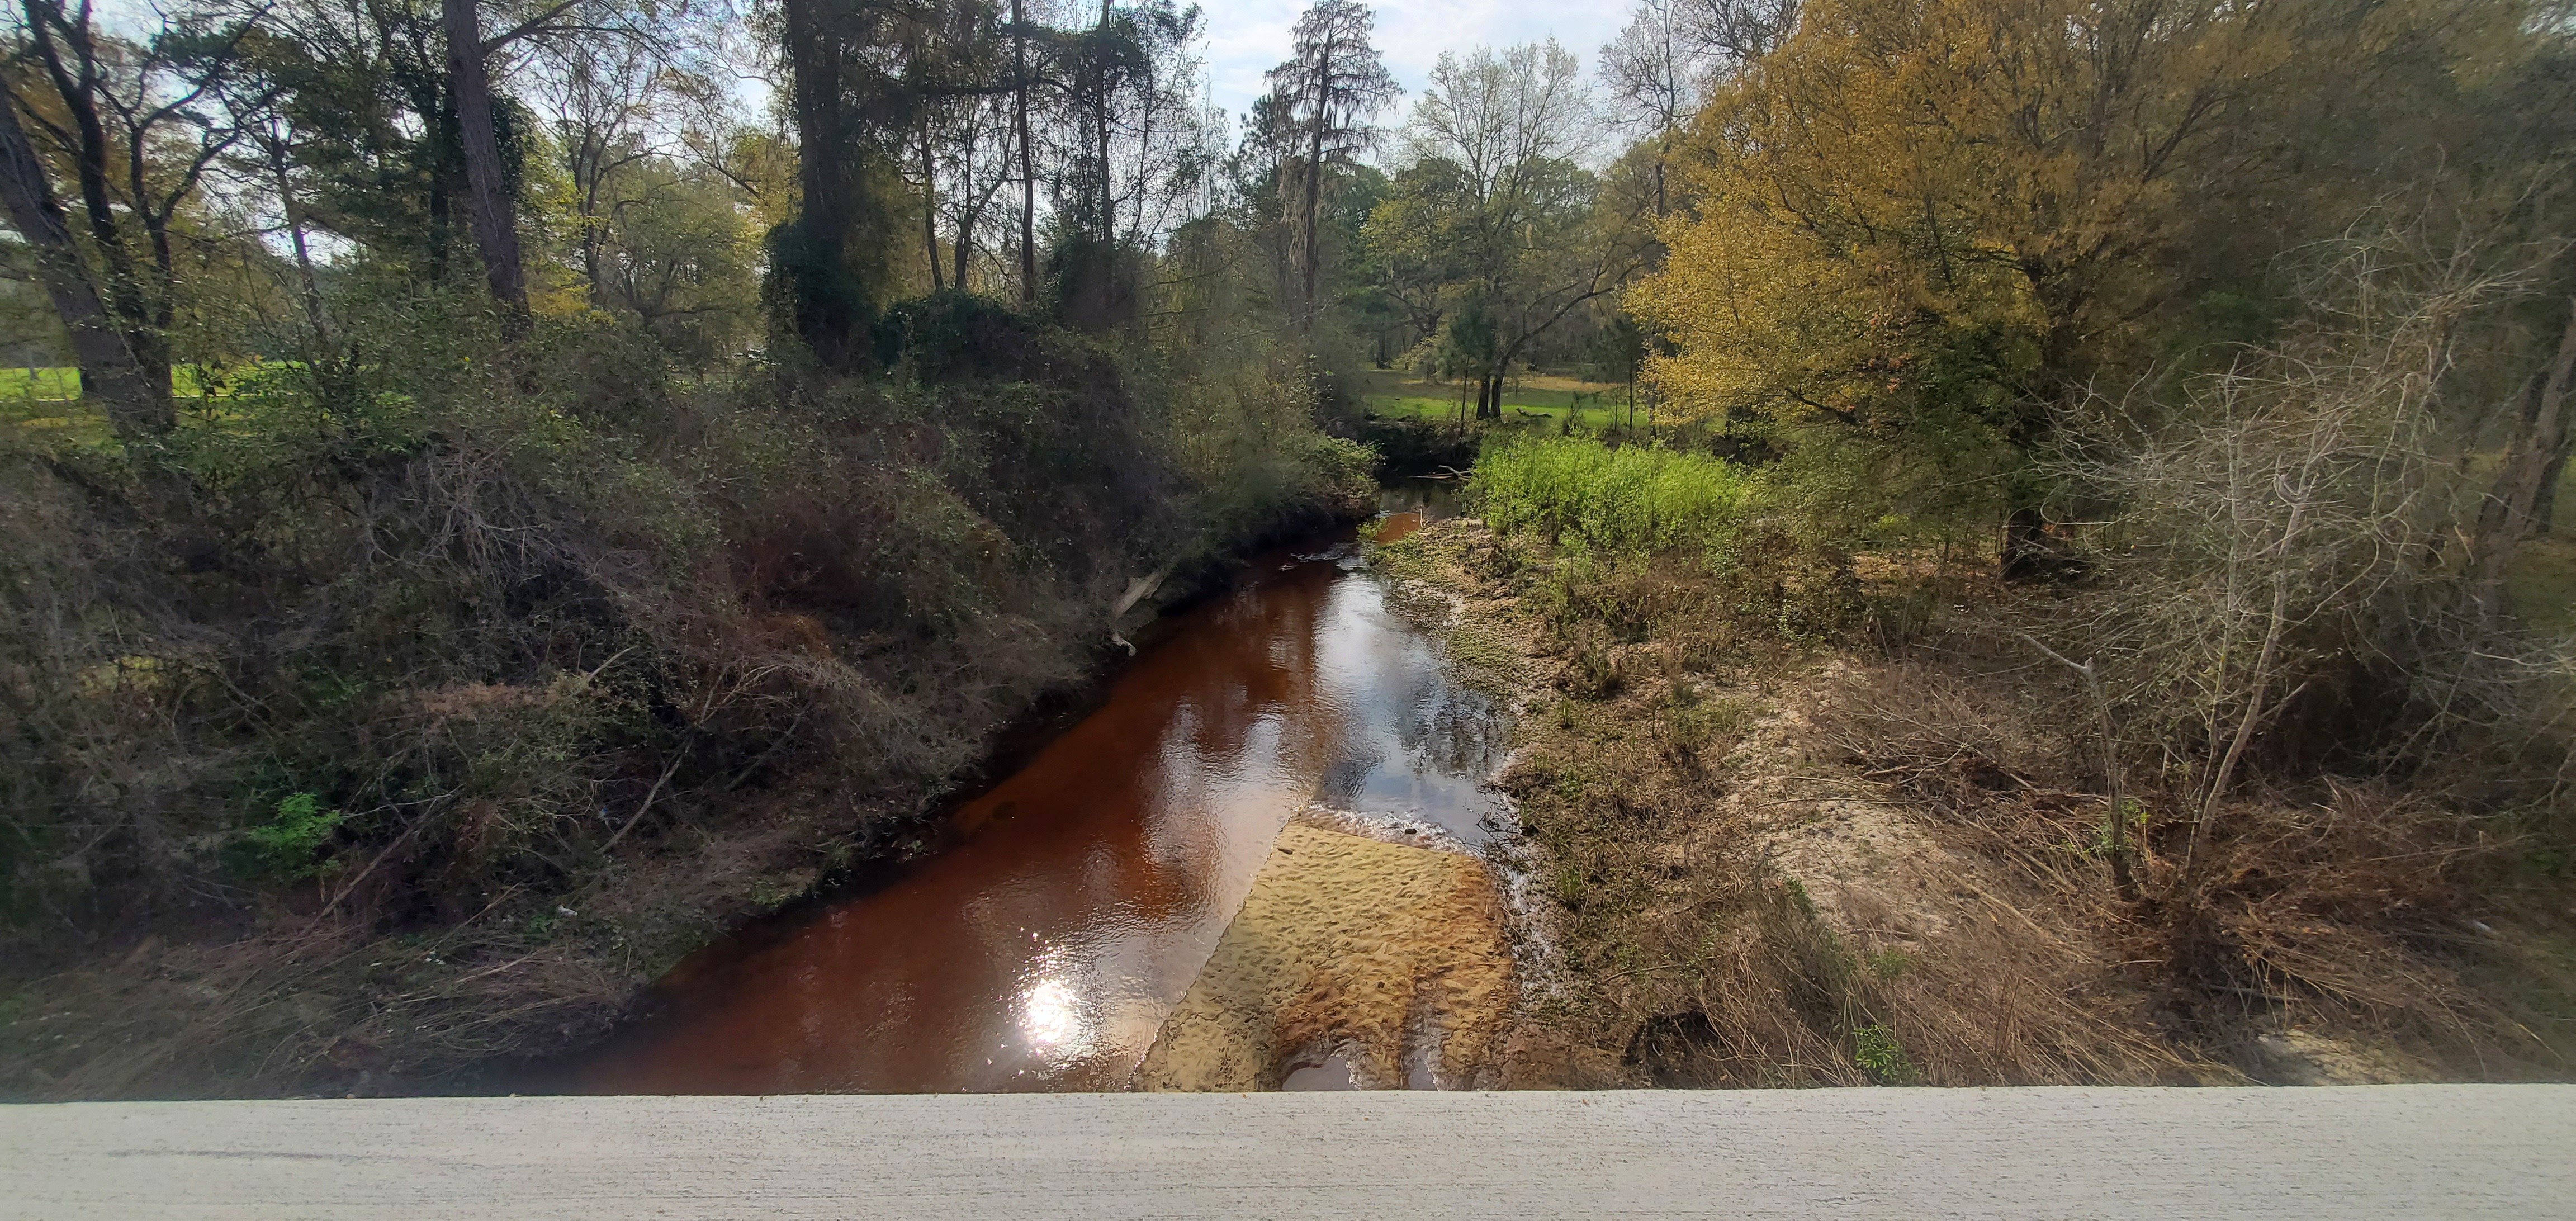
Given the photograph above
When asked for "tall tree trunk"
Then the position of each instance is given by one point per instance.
(138, 404)
(429, 100)
(1144, 140)
(307, 282)
(586, 186)
(1100, 124)
(2516, 506)
(495, 215)
(1663, 153)
(969, 208)
(826, 296)
(595, 288)
(137, 315)
(930, 204)
(1028, 160)
(1313, 266)
(90, 161)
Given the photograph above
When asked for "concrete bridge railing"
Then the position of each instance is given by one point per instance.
(2379, 1151)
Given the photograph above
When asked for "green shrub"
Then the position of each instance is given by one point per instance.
(1345, 470)
(1623, 500)
(1248, 446)
(1875, 1051)
(290, 843)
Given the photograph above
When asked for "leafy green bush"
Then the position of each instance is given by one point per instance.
(1624, 500)
(1344, 469)
(290, 843)
(1247, 443)
(1875, 1051)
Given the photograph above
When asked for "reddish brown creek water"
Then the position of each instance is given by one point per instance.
(1085, 891)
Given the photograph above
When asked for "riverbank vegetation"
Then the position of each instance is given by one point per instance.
(2136, 440)
(527, 509)
(2045, 567)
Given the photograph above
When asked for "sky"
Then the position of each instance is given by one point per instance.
(1248, 37)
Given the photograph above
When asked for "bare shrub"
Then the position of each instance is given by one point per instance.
(451, 652)
(2358, 909)
(2292, 573)
(2034, 976)
(1695, 954)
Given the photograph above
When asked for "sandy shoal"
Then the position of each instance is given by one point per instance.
(1388, 956)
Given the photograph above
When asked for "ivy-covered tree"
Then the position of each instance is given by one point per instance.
(1326, 94)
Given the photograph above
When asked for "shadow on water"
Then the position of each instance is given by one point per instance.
(1085, 890)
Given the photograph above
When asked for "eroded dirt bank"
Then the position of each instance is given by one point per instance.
(1750, 863)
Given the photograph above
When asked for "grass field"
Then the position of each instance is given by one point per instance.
(22, 383)
(48, 401)
(1525, 399)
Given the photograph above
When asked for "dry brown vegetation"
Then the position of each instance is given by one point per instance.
(1754, 862)
(362, 751)
(2362, 911)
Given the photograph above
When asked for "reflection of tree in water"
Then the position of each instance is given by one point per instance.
(1410, 704)
(1108, 849)
(1256, 661)
(1104, 847)
(1346, 775)
(1457, 731)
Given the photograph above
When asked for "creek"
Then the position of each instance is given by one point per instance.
(1081, 895)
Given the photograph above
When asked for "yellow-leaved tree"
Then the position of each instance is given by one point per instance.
(1924, 229)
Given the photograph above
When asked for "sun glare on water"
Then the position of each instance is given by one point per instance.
(1051, 1018)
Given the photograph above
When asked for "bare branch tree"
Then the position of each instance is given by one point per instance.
(144, 129)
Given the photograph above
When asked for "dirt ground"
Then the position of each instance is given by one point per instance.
(1744, 863)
